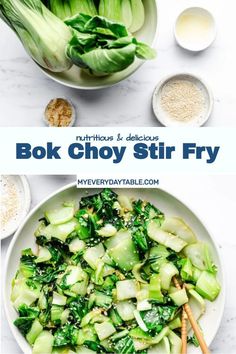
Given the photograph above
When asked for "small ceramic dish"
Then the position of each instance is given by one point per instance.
(73, 117)
(168, 121)
(15, 203)
(195, 29)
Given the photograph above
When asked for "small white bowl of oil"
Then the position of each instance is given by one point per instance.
(195, 29)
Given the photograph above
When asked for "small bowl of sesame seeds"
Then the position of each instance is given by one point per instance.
(15, 203)
(182, 100)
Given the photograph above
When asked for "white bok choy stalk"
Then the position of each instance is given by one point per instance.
(65, 9)
(129, 12)
(43, 35)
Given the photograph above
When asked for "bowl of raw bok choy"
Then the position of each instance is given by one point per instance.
(85, 44)
(95, 273)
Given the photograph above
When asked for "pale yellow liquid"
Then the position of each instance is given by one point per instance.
(195, 28)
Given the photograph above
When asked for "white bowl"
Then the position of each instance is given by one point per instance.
(169, 122)
(202, 21)
(77, 78)
(167, 203)
(22, 189)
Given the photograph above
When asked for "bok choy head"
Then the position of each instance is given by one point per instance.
(43, 35)
(103, 46)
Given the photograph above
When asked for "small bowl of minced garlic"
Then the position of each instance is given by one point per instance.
(59, 112)
(182, 100)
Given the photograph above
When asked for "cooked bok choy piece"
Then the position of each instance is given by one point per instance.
(102, 46)
(43, 343)
(101, 280)
(208, 286)
(179, 228)
(165, 238)
(43, 35)
(199, 255)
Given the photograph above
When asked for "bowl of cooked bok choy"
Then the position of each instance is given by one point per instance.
(95, 272)
(85, 44)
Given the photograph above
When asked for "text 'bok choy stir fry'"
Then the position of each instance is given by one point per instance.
(101, 280)
(94, 35)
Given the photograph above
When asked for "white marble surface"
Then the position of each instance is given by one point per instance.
(24, 90)
(212, 198)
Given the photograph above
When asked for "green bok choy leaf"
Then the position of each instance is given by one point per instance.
(103, 46)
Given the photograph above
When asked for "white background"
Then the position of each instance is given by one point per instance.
(213, 199)
(129, 166)
(25, 91)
